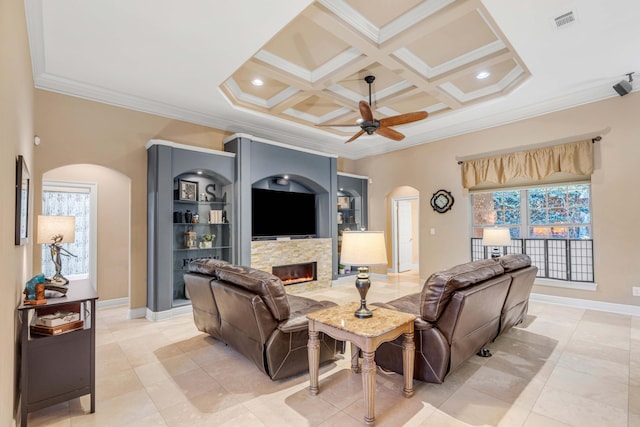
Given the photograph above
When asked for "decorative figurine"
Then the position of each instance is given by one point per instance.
(34, 290)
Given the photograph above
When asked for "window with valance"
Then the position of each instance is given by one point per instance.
(575, 158)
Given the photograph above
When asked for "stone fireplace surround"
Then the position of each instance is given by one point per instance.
(267, 253)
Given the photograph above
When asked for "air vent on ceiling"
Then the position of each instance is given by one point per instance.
(565, 20)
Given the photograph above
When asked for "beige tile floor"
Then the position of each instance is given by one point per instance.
(564, 367)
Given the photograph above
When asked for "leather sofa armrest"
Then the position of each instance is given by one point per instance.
(295, 324)
(422, 325)
(300, 307)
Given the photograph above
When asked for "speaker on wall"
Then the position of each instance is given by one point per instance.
(623, 88)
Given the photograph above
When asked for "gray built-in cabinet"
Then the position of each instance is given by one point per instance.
(259, 161)
(217, 186)
(185, 183)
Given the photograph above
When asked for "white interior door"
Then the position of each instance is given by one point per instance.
(404, 235)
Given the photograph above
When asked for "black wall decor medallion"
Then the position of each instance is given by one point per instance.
(441, 201)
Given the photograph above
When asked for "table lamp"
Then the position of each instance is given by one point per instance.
(55, 230)
(496, 236)
(363, 249)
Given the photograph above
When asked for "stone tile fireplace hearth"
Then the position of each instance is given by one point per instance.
(265, 254)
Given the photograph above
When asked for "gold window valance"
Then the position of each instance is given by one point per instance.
(574, 158)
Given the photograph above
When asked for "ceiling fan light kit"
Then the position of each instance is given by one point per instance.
(369, 125)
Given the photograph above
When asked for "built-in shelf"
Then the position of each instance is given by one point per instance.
(351, 210)
(181, 179)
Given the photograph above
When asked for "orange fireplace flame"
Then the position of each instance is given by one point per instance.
(296, 280)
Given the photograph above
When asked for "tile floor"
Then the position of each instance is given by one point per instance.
(563, 367)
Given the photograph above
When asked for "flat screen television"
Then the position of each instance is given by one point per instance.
(282, 214)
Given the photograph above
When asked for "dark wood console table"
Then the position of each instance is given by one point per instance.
(58, 368)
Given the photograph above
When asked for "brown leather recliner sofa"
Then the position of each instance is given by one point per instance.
(249, 310)
(459, 311)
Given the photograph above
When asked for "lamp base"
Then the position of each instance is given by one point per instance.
(363, 284)
(57, 285)
(363, 312)
(495, 253)
(58, 280)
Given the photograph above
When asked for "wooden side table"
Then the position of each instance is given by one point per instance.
(58, 368)
(365, 335)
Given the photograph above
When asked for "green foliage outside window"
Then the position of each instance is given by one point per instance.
(562, 212)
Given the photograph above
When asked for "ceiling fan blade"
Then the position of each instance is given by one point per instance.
(404, 118)
(389, 133)
(339, 125)
(355, 136)
(365, 111)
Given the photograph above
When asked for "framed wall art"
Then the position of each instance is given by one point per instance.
(22, 202)
(188, 191)
(343, 202)
(442, 201)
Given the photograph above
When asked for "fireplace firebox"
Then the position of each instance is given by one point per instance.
(292, 274)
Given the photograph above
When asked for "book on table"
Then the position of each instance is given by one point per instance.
(57, 330)
(58, 318)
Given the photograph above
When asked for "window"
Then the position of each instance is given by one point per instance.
(70, 201)
(550, 224)
(557, 212)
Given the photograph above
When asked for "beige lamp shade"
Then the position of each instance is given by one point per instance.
(50, 226)
(363, 248)
(496, 236)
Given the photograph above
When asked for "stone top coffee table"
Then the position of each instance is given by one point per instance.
(365, 336)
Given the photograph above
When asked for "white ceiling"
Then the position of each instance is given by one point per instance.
(171, 57)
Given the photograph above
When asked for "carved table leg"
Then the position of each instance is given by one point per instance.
(369, 386)
(313, 348)
(355, 358)
(408, 356)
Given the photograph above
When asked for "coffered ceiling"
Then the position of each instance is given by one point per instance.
(424, 55)
(194, 60)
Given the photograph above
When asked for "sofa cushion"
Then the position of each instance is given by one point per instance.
(514, 262)
(205, 265)
(439, 286)
(266, 285)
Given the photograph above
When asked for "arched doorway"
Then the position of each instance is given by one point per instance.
(110, 225)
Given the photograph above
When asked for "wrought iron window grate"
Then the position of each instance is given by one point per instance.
(559, 259)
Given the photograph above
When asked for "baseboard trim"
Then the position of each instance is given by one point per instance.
(631, 310)
(137, 313)
(158, 316)
(116, 302)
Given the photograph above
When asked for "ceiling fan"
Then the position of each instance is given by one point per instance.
(369, 125)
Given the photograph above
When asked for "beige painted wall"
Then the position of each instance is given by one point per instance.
(114, 206)
(615, 189)
(77, 131)
(16, 138)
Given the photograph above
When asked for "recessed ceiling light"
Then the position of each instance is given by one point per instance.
(257, 82)
(483, 75)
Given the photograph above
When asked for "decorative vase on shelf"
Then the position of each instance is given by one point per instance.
(190, 239)
(188, 216)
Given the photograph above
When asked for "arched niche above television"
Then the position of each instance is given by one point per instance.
(283, 207)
